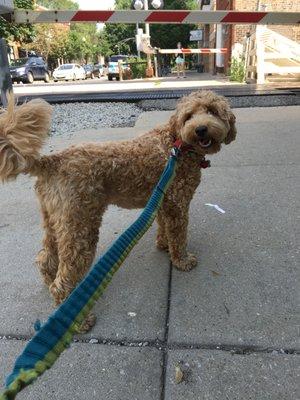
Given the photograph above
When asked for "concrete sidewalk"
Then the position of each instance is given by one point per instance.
(193, 80)
(232, 324)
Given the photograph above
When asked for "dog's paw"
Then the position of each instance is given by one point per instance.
(185, 264)
(58, 292)
(162, 244)
(87, 324)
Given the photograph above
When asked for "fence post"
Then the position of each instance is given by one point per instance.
(5, 78)
(155, 66)
(120, 64)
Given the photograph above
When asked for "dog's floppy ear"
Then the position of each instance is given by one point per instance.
(231, 135)
(173, 124)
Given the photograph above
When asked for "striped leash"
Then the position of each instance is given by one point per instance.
(56, 334)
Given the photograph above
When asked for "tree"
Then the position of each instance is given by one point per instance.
(104, 46)
(167, 36)
(80, 42)
(23, 33)
(51, 40)
(117, 33)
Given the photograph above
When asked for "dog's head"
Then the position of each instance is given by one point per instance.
(205, 121)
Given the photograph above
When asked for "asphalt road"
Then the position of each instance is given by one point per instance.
(231, 324)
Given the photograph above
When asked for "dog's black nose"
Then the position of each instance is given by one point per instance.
(201, 131)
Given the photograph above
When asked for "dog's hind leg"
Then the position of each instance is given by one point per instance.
(47, 258)
(77, 241)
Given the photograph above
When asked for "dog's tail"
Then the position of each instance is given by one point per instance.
(23, 130)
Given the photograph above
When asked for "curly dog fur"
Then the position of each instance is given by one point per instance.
(76, 185)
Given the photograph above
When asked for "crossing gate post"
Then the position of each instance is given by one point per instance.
(6, 6)
(5, 78)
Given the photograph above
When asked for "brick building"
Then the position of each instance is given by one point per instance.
(230, 35)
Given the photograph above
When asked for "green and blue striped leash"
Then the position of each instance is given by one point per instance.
(56, 334)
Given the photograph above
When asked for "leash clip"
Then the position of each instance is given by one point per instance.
(176, 150)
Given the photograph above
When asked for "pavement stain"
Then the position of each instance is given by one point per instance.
(4, 226)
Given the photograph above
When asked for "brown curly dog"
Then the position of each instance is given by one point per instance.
(76, 185)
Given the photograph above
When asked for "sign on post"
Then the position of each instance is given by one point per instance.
(196, 36)
(6, 6)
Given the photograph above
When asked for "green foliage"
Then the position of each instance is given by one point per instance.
(85, 40)
(167, 36)
(50, 40)
(116, 34)
(123, 4)
(23, 33)
(103, 44)
(59, 4)
(237, 70)
(138, 67)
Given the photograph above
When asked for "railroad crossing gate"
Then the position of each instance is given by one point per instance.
(153, 17)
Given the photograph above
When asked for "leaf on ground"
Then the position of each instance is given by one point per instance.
(178, 374)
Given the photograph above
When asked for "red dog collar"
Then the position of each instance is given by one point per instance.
(183, 148)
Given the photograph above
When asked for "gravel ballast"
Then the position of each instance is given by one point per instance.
(235, 102)
(72, 117)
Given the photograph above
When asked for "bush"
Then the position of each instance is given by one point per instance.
(237, 70)
(138, 67)
(127, 75)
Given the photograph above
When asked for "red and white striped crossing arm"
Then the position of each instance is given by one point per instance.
(158, 17)
(193, 51)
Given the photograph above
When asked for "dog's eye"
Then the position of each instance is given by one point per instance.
(189, 116)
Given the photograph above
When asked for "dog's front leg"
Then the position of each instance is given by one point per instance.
(161, 238)
(176, 217)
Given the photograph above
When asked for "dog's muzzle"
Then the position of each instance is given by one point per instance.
(201, 132)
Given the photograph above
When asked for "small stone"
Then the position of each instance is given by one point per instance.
(93, 341)
(131, 314)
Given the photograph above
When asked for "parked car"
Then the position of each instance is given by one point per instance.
(69, 72)
(29, 69)
(113, 66)
(93, 71)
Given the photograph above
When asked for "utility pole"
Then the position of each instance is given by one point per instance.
(137, 32)
(147, 31)
(5, 78)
